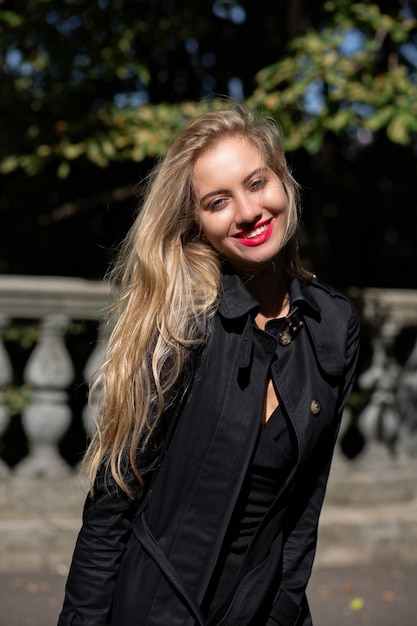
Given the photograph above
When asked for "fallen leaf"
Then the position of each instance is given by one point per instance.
(357, 604)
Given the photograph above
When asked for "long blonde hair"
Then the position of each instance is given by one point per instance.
(167, 281)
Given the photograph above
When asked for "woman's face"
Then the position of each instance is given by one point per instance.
(242, 204)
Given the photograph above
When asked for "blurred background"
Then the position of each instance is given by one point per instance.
(91, 93)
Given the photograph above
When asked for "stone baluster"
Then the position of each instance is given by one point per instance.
(380, 420)
(407, 404)
(48, 372)
(382, 472)
(6, 375)
(90, 372)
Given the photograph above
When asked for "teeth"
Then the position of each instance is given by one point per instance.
(256, 232)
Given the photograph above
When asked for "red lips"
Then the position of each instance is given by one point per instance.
(257, 239)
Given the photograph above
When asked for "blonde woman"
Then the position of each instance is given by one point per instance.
(223, 388)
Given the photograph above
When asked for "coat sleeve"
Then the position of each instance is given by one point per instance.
(97, 555)
(107, 524)
(290, 606)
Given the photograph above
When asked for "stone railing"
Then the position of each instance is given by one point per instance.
(51, 304)
(388, 383)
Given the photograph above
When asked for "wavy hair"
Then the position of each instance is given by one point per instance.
(167, 282)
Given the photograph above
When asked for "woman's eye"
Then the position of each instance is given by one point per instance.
(215, 204)
(258, 183)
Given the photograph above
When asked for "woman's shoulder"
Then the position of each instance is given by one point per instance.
(333, 322)
(329, 300)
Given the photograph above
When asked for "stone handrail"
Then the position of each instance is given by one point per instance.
(399, 306)
(36, 296)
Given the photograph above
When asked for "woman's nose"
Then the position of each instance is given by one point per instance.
(247, 211)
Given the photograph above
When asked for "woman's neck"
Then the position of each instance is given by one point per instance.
(270, 287)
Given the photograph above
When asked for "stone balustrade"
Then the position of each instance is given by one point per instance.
(53, 303)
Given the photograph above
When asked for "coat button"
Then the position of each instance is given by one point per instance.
(284, 338)
(315, 407)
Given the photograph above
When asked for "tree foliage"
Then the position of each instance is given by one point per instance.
(356, 75)
(78, 77)
(98, 71)
(93, 92)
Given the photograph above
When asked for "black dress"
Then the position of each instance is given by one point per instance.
(272, 462)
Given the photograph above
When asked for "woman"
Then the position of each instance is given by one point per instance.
(222, 392)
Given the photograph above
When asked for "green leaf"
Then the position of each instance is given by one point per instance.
(11, 19)
(63, 170)
(380, 119)
(9, 164)
(340, 120)
(398, 130)
(73, 151)
(314, 142)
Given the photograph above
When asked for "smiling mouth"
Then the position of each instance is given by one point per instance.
(254, 233)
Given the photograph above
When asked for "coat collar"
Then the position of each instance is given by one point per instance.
(237, 303)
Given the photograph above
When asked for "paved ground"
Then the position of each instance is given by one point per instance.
(361, 595)
(365, 572)
(381, 594)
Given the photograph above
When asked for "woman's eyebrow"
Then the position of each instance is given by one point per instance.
(259, 170)
(215, 192)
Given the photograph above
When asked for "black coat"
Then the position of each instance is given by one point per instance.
(151, 565)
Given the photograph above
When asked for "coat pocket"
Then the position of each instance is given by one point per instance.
(168, 572)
